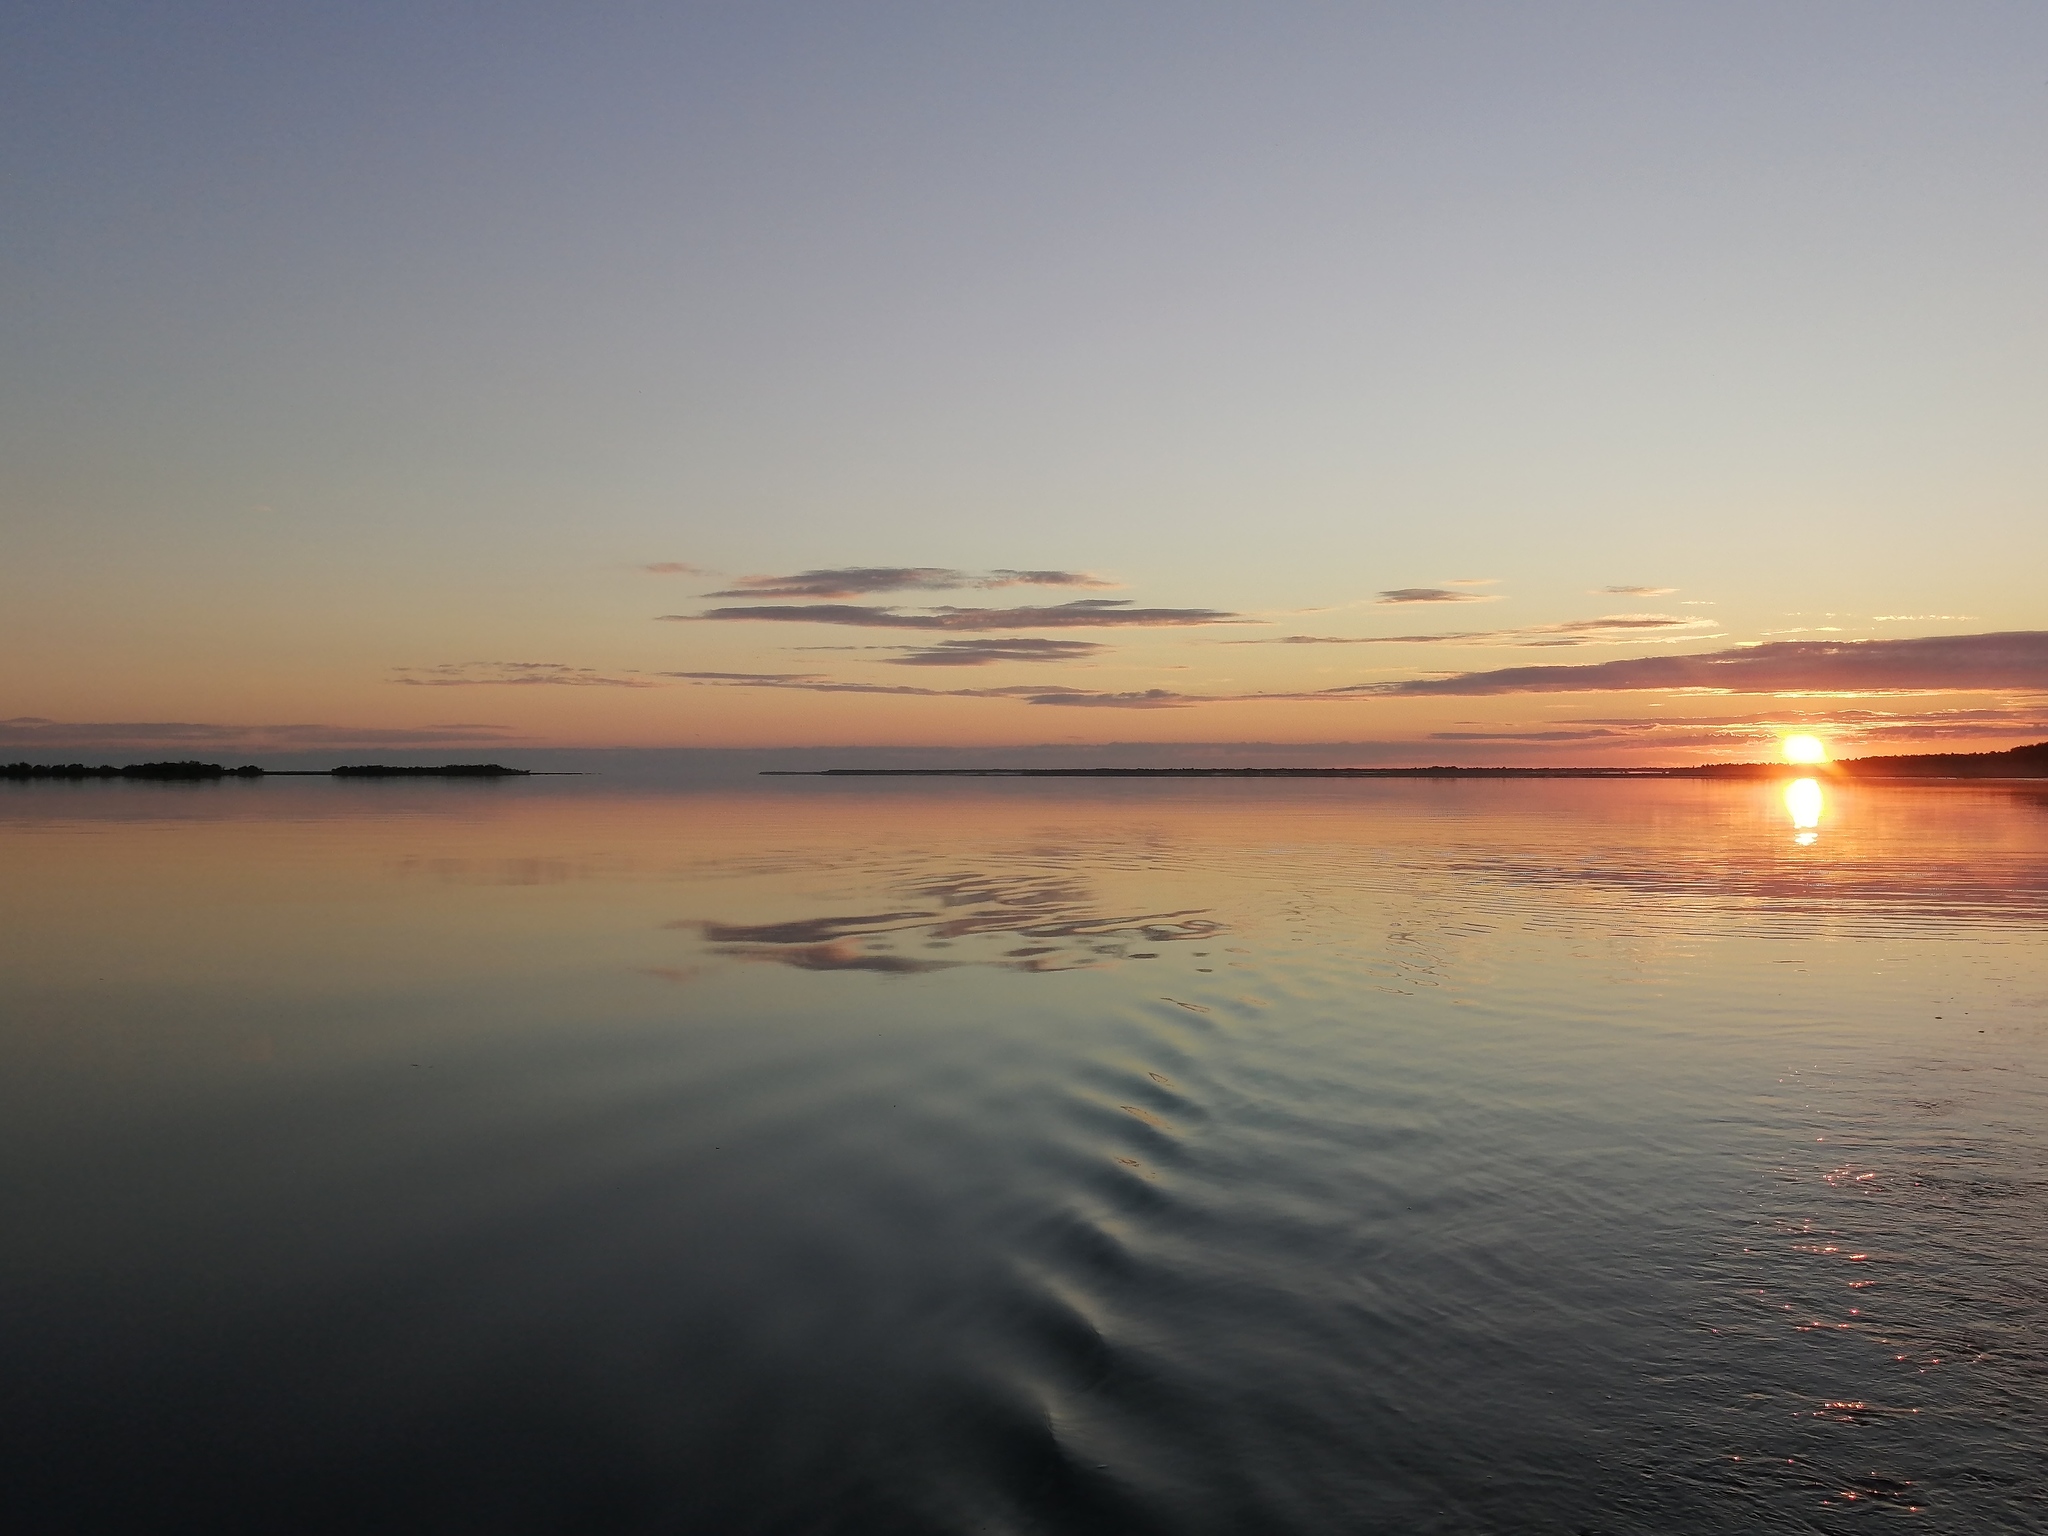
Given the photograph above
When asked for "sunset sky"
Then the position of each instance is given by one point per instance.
(1570, 382)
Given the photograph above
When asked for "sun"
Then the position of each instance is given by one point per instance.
(1805, 749)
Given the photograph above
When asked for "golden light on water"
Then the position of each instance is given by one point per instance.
(1803, 801)
(1805, 749)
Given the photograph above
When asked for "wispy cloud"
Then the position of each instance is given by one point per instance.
(1941, 664)
(1086, 613)
(982, 653)
(501, 674)
(1921, 618)
(1147, 698)
(1984, 720)
(1614, 629)
(1527, 736)
(1865, 730)
(1023, 693)
(1435, 595)
(37, 734)
(1934, 664)
(852, 581)
(1635, 591)
(675, 568)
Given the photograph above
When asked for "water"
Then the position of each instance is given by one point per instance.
(1023, 1157)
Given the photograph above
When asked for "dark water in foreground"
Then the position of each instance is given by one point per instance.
(1228, 1157)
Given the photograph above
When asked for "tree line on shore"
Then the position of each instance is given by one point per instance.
(185, 770)
(198, 770)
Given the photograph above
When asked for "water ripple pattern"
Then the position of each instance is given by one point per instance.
(1024, 1158)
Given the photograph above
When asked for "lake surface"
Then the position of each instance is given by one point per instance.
(1228, 1157)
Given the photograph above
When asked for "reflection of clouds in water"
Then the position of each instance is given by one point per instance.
(814, 930)
(1055, 911)
(506, 871)
(842, 956)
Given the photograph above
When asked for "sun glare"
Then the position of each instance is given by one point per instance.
(1805, 749)
(1803, 800)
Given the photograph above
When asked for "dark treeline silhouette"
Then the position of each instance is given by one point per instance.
(187, 770)
(2018, 763)
(195, 770)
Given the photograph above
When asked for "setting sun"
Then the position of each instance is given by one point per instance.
(1805, 749)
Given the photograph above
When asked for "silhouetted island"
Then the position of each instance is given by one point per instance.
(2029, 762)
(196, 770)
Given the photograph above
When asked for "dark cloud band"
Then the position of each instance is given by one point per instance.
(854, 580)
(1022, 693)
(1934, 664)
(1614, 629)
(1434, 595)
(982, 653)
(1086, 613)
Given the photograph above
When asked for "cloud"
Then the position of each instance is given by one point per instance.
(981, 653)
(1866, 730)
(1023, 693)
(1087, 613)
(1149, 698)
(1636, 591)
(1008, 578)
(675, 568)
(37, 734)
(1520, 735)
(1435, 595)
(498, 674)
(1954, 663)
(852, 581)
(1933, 664)
(1614, 629)
(1921, 618)
(1994, 720)
(753, 679)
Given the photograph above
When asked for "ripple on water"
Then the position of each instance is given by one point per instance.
(1418, 1161)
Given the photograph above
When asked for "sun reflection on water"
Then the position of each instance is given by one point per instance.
(1803, 801)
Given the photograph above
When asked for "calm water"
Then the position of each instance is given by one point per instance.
(1062, 1158)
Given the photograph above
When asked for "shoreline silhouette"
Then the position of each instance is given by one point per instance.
(2026, 762)
(207, 771)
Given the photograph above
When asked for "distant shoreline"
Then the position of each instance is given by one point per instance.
(2018, 763)
(196, 772)
(2029, 762)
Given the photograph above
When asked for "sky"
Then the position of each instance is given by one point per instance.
(1472, 383)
